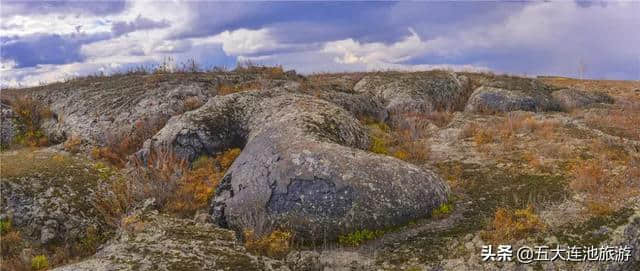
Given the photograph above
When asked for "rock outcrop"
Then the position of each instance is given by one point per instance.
(303, 166)
(98, 109)
(50, 197)
(419, 92)
(492, 100)
(152, 241)
(9, 125)
(572, 98)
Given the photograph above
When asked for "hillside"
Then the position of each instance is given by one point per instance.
(261, 169)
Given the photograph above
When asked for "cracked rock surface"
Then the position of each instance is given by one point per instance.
(309, 171)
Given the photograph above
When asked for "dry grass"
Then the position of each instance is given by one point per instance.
(275, 244)
(158, 176)
(225, 89)
(274, 72)
(25, 161)
(400, 143)
(11, 245)
(513, 225)
(73, 144)
(199, 183)
(421, 124)
(119, 145)
(605, 189)
(622, 88)
(177, 188)
(116, 198)
(508, 130)
(32, 113)
(133, 223)
(623, 120)
(192, 103)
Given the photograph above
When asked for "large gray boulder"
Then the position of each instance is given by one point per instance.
(572, 98)
(487, 99)
(303, 167)
(416, 92)
(101, 108)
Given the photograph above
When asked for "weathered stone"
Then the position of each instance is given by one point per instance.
(572, 98)
(52, 199)
(99, 109)
(166, 243)
(491, 100)
(416, 93)
(303, 167)
(9, 126)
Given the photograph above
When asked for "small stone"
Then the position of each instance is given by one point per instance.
(46, 235)
(551, 240)
(469, 246)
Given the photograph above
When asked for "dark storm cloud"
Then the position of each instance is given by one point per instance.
(325, 20)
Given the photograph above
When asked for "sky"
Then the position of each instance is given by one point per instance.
(51, 41)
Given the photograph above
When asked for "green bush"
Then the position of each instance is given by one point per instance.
(443, 210)
(5, 226)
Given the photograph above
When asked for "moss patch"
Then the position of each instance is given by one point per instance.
(588, 233)
(486, 188)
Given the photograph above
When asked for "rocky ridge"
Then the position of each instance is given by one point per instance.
(304, 165)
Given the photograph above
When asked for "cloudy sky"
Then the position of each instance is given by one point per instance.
(51, 41)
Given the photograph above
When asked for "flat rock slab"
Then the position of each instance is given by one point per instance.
(159, 242)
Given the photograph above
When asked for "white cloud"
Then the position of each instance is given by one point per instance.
(351, 52)
(243, 41)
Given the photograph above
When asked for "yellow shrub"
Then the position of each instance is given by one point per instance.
(378, 145)
(39, 262)
(401, 154)
(275, 244)
(513, 225)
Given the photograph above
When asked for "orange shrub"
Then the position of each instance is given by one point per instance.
(513, 225)
(198, 184)
(120, 145)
